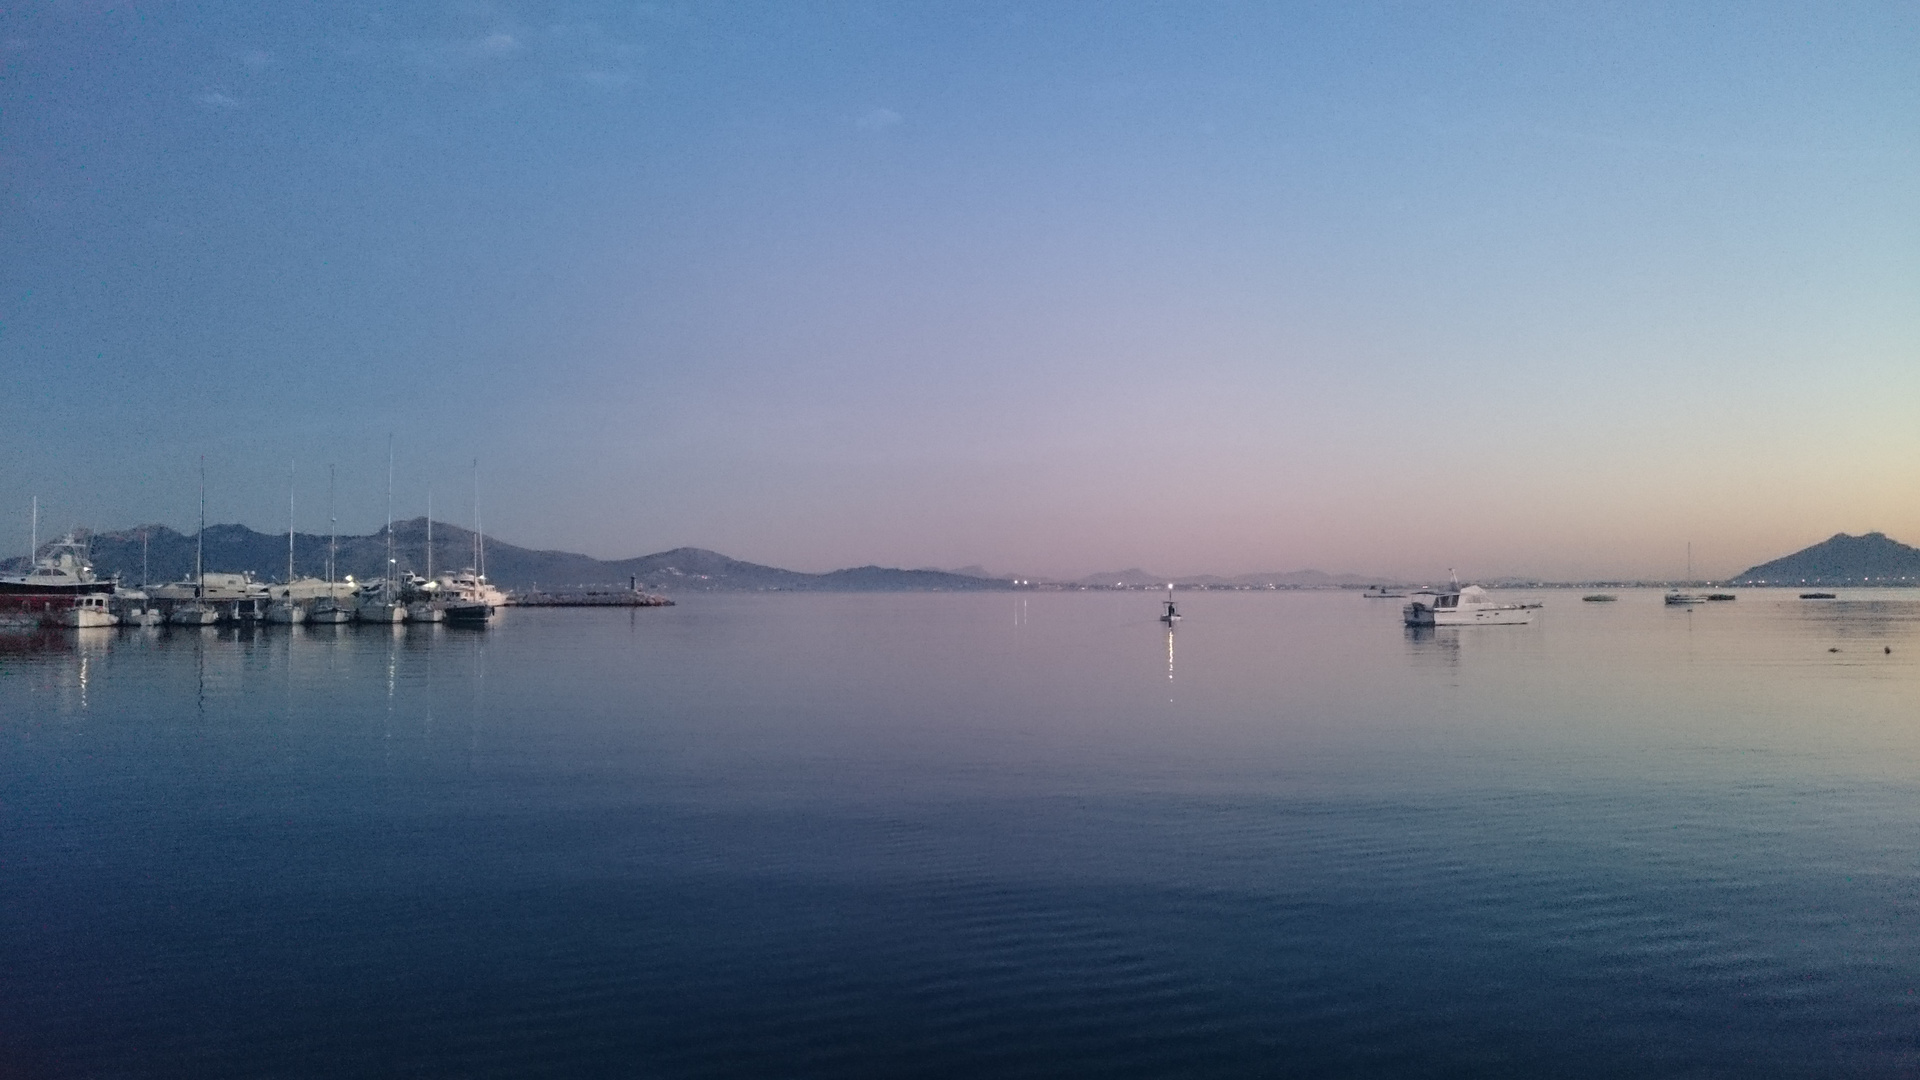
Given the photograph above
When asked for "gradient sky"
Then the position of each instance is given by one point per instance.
(1054, 288)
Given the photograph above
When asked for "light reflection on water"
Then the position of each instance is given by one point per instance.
(822, 835)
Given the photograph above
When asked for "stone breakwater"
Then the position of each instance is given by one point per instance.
(608, 598)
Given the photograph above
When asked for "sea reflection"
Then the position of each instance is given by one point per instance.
(845, 831)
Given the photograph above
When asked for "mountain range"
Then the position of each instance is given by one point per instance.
(1872, 559)
(156, 553)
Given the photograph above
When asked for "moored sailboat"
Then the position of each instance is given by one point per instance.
(287, 611)
(198, 612)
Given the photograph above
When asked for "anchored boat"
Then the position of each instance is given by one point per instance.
(1469, 606)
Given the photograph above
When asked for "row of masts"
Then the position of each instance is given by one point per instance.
(333, 529)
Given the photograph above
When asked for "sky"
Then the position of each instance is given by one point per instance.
(1055, 288)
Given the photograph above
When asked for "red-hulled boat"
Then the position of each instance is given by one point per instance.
(60, 582)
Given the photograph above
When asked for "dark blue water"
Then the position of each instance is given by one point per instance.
(956, 835)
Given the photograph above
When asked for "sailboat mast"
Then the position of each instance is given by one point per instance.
(479, 534)
(289, 532)
(333, 524)
(387, 577)
(429, 531)
(143, 558)
(200, 538)
(33, 530)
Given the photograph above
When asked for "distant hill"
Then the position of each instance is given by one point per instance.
(1873, 559)
(236, 548)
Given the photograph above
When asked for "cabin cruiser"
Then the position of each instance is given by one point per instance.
(469, 585)
(1469, 606)
(465, 597)
(55, 586)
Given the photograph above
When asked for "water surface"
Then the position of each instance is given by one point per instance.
(961, 835)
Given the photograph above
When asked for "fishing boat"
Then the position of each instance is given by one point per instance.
(1600, 598)
(1384, 592)
(1470, 605)
(1172, 614)
(1676, 597)
(1818, 596)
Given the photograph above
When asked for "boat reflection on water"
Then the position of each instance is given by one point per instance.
(1434, 644)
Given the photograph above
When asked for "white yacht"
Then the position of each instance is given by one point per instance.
(471, 585)
(1469, 606)
(466, 597)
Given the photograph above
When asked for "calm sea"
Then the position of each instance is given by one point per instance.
(971, 835)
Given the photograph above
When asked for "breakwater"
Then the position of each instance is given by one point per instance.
(590, 598)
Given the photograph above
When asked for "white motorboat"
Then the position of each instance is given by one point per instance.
(471, 587)
(87, 611)
(1468, 606)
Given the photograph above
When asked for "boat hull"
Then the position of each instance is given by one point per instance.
(468, 613)
(426, 611)
(80, 618)
(382, 613)
(193, 616)
(286, 614)
(1421, 615)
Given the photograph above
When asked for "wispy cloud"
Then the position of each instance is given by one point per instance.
(878, 120)
(256, 59)
(217, 100)
(493, 46)
(578, 54)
